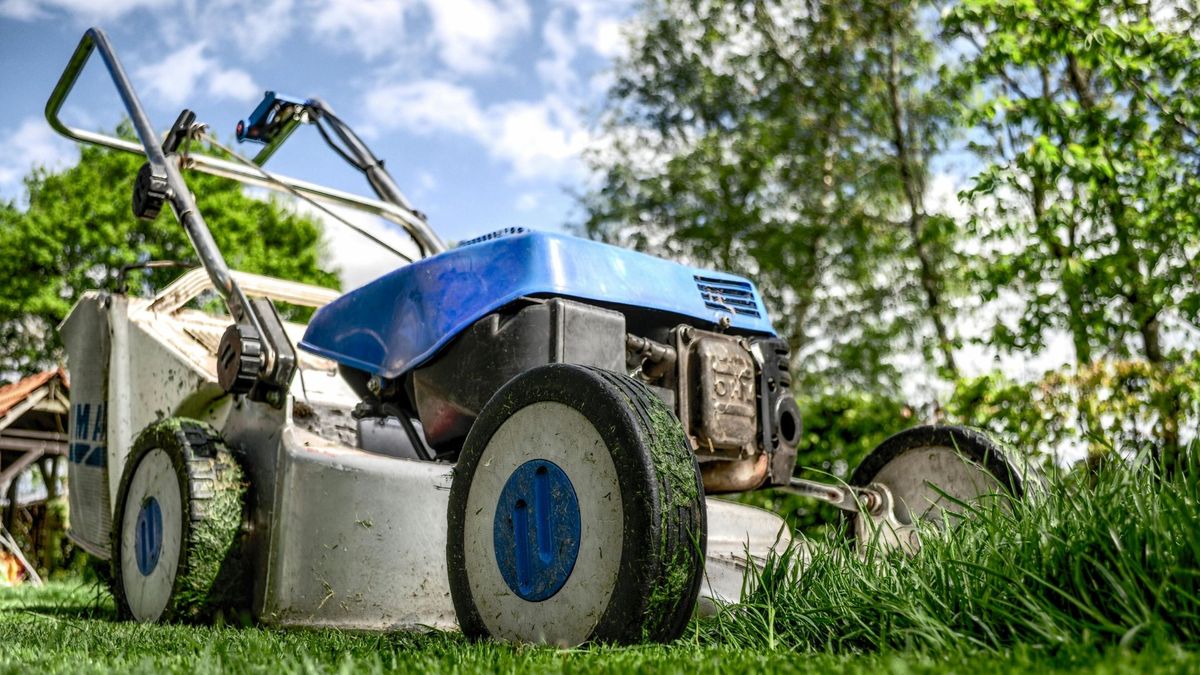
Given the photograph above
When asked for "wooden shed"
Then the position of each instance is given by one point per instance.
(33, 446)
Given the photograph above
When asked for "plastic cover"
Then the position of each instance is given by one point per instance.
(398, 321)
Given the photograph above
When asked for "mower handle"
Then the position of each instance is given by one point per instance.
(426, 239)
(272, 359)
(179, 195)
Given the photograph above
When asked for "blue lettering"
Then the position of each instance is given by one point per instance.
(82, 413)
(98, 432)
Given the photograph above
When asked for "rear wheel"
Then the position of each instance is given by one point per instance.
(177, 526)
(576, 514)
(939, 472)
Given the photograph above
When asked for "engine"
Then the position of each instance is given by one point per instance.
(730, 391)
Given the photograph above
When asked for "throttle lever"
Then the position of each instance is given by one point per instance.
(180, 130)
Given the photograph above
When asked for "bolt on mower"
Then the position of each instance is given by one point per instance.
(517, 435)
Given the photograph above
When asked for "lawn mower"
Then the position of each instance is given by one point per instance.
(520, 435)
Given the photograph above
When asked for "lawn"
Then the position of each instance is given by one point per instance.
(1099, 574)
(69, 627)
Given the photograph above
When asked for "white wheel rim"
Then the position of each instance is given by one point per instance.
(154, 483)
(560, 434)
(926, 481)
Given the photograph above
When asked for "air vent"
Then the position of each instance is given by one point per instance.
(508, 231)
(728, 295)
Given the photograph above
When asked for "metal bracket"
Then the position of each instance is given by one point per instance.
(272, 122)
(846, 498)
(875, 522)
(880, 529)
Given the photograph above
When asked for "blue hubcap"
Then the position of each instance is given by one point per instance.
(147, 543)
(536, 531)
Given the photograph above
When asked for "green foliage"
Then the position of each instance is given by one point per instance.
(78, 231)
(1125, 407)
(792, 142)
(1088, 204)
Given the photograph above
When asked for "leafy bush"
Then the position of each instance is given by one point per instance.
(1124, 407)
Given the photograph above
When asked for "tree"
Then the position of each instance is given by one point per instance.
(1091, 196)
(1092, 191)
(78, 231)
(789, 141)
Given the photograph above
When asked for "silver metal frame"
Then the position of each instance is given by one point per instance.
(426, 238)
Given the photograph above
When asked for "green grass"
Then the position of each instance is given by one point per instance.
(1101, 560)
(1100, 574)
(69, 628)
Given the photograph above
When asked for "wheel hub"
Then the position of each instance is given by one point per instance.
(537, 530)
(148, 536)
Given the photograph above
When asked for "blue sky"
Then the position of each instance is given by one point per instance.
(481, 108)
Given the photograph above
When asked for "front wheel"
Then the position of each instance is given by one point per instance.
(178, 524)
(576, 514)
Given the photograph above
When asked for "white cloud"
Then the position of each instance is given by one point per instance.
(81, 10)
(471, 34)
(251, 27)
(576, 27)
(468, 36)
(426, 183)
(32, 143)
(233, 84)
(537, 139)
(528, 201)
(557, 69)
(358, 259)
(426, 106)
(599, 25)
(255, 26)
(371, 28)
(181, 74)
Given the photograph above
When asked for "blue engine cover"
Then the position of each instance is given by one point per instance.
(403, 318)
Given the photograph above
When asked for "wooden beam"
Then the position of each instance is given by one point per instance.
(52, 406)
(35, 397)
(32, 433)
(32, 445)
(13, 470)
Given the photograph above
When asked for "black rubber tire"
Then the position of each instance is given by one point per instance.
(210, 577)
(662, 554)
(973, 444)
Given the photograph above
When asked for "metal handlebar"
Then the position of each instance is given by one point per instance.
(179, 195)
(272, 358)
(397, 214)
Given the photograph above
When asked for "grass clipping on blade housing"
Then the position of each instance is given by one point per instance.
(1105, 558)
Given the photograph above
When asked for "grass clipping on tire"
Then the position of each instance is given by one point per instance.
(678, 482)
(210, 576)
(212, 580)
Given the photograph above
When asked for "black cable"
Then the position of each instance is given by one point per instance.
(337, 148)
(342, 129)
(299, 195)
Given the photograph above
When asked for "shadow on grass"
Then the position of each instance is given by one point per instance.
(67, 611)
(73, 601)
